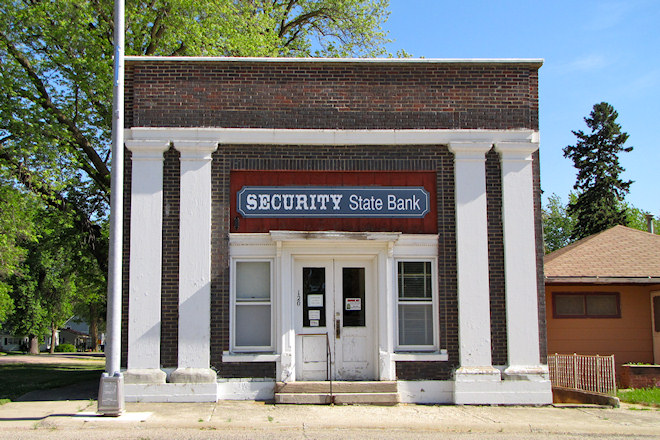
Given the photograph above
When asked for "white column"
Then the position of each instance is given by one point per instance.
(473, 284)
(195, 263)
(145, 262)
(520, 260)
(472, 253)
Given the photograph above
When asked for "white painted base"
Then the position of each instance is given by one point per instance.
(144, 376)
(495, 392)
(505, 392)
(193, 375)
(426, 391)
(171, 392)
(246, 389)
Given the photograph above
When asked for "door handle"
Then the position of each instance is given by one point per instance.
(337, 329)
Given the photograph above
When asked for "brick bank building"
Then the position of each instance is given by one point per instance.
(374, 223)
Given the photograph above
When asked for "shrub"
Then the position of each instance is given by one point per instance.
(65, 348)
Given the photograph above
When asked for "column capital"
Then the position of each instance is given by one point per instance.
(470, 150)
(147, 149)
(195, 150)
(516, 150)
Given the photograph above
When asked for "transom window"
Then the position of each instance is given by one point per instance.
(252, 311)
(586, 305)
(415, 306)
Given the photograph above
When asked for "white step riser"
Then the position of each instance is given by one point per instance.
(339, 399)
(337, 387)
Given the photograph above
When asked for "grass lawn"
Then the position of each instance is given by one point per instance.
(646, 396)
(18, 379)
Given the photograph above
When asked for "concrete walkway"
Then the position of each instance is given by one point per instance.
(76, 419)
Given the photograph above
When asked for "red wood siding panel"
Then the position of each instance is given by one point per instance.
(426, 225)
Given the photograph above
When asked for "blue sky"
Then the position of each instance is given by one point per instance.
(593, 51)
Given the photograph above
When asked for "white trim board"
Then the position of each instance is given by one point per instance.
(284, 136)
(165, 59)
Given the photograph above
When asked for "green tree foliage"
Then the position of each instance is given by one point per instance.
(600, 190)
(56, 56)
(636, 218)
(43, 286)
(16, 228)
(557, 224)
(56, 105)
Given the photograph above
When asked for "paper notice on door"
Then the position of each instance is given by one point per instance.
(314, 300)
(353, 303)
(313, 322)
(314, 314)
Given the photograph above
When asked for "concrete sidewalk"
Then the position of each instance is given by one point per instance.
(76, 419)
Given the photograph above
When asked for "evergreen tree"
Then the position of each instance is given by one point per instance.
(600, 190)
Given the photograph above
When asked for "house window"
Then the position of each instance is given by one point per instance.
(415, 306)
(252, 306)
(586, 305)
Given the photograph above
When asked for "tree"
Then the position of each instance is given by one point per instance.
(557, 224)
(56, 82)
(55, 112)
(17, 228)
(600, 190)
(43, 287)
(636, 218)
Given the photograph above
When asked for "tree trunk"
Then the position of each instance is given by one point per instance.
(53, 336)
(33, 344)
(93, 327)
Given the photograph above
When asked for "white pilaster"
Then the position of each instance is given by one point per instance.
(387, 314)
(520, 261)
(195, 263)
(472, 256)
(145, 262)
(285, 325)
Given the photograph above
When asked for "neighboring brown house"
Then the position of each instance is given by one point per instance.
(603, 296)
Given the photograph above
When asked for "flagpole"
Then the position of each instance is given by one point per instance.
(111, 389)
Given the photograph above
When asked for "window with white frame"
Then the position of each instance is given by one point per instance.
(252, 306)
(415, 306)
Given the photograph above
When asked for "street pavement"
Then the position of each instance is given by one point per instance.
(70, 413)
(76, 419)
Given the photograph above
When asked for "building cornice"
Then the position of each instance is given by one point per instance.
(536, 62)
(523, 138)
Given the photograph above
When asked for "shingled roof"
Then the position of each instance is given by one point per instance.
(619, 254)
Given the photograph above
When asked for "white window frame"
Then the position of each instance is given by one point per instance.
(233, 348)
(434, 305)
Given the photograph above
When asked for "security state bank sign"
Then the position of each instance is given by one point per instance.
(332, 202)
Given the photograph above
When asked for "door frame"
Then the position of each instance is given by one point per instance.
(333, 302)
(383, 247)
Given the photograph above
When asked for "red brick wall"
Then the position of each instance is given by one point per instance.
(428, 158)
(338, 96)
(331, 95)
(639, 376)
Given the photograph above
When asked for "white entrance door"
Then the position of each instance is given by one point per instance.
(335, 304)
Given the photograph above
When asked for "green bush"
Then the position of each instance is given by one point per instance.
(65, 348)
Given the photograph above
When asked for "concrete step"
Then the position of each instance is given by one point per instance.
(337, 387)
(339, 399)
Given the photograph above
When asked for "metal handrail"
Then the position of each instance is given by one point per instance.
(328, 360)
